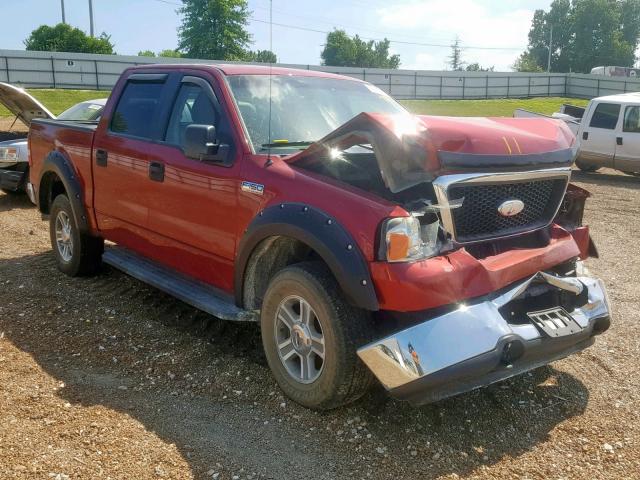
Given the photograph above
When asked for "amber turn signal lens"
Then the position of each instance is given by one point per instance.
(397, 246)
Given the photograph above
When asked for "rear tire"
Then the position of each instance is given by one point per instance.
(586, 167)
(333, 326)
(76, 254)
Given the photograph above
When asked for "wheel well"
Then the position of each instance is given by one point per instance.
(50, 187)
(270, 256)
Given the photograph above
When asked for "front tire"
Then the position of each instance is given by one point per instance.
(76, 253)
(310, 336)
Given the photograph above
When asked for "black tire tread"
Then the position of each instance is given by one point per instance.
(355, 325)
(91, 248)
(586, 168)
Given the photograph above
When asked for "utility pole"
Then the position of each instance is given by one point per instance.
(550, 43)
(64, 19)
(91, 17)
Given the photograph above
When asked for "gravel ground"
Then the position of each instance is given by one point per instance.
(105, 377)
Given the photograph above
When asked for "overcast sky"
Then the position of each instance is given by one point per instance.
(137, 25)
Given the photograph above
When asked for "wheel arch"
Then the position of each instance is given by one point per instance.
(58, 176)
(286, 233)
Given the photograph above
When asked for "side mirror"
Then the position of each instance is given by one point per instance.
(200, 143)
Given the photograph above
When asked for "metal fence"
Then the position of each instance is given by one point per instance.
(100, 72)
(590, 86)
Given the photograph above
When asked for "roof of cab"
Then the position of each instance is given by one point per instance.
(241, 69)
(632, 98)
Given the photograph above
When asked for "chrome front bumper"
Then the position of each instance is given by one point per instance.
(475, 345)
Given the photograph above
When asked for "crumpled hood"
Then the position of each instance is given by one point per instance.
(414, 149)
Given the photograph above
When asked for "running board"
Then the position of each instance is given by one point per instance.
(195, 293)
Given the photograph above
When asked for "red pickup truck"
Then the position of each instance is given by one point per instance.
(435, 254)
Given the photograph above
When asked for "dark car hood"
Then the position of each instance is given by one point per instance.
(415, 149)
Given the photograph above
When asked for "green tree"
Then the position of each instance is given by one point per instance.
(586, 33)
(526, 63)
(341, 50)
(559, 22)
(476, 67)
(65, 38)
(214, 29)
(598, 36)
(170, 53)
(146, 53)
(261, 56)
(455, 59)
(630, 20)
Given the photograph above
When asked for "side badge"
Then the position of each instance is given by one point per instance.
(250, 187)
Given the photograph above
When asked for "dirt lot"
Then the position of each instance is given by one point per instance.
(107, 378)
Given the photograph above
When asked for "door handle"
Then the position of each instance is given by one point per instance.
(619, 140)
(101, 157)
(585, 135)
(156, 171)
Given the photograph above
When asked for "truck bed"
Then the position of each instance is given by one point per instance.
(73, 140)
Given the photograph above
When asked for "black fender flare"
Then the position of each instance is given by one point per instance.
(56, 162)
(320, 232)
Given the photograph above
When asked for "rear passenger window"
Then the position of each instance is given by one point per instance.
(605, 116)
(631, 120)
(137, 109)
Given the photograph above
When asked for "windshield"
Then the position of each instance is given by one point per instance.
(82, 112)
(303, 109)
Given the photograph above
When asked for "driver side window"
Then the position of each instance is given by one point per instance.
(192, 106)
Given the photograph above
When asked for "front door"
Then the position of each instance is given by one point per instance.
(627, 156)
(193, 203)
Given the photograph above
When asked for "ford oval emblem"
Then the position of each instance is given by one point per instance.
(509, 208)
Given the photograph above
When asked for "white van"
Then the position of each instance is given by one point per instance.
(609, 134)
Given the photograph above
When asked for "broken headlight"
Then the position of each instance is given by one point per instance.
(406, 239)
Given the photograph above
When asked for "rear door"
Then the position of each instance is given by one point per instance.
(121, 160)
(598, 141)
(627, 156)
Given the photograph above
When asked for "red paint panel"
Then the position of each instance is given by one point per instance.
(458, 276)
(74, 145)
(581, 237)
(192, 215)
(357, 211)
(498, 136)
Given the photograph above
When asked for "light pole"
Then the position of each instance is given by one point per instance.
(549, 57)
(64, 20)
(91, 17)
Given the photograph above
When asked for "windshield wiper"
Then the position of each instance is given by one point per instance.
(298, 143)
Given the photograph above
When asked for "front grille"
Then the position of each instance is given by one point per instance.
(478, 218)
